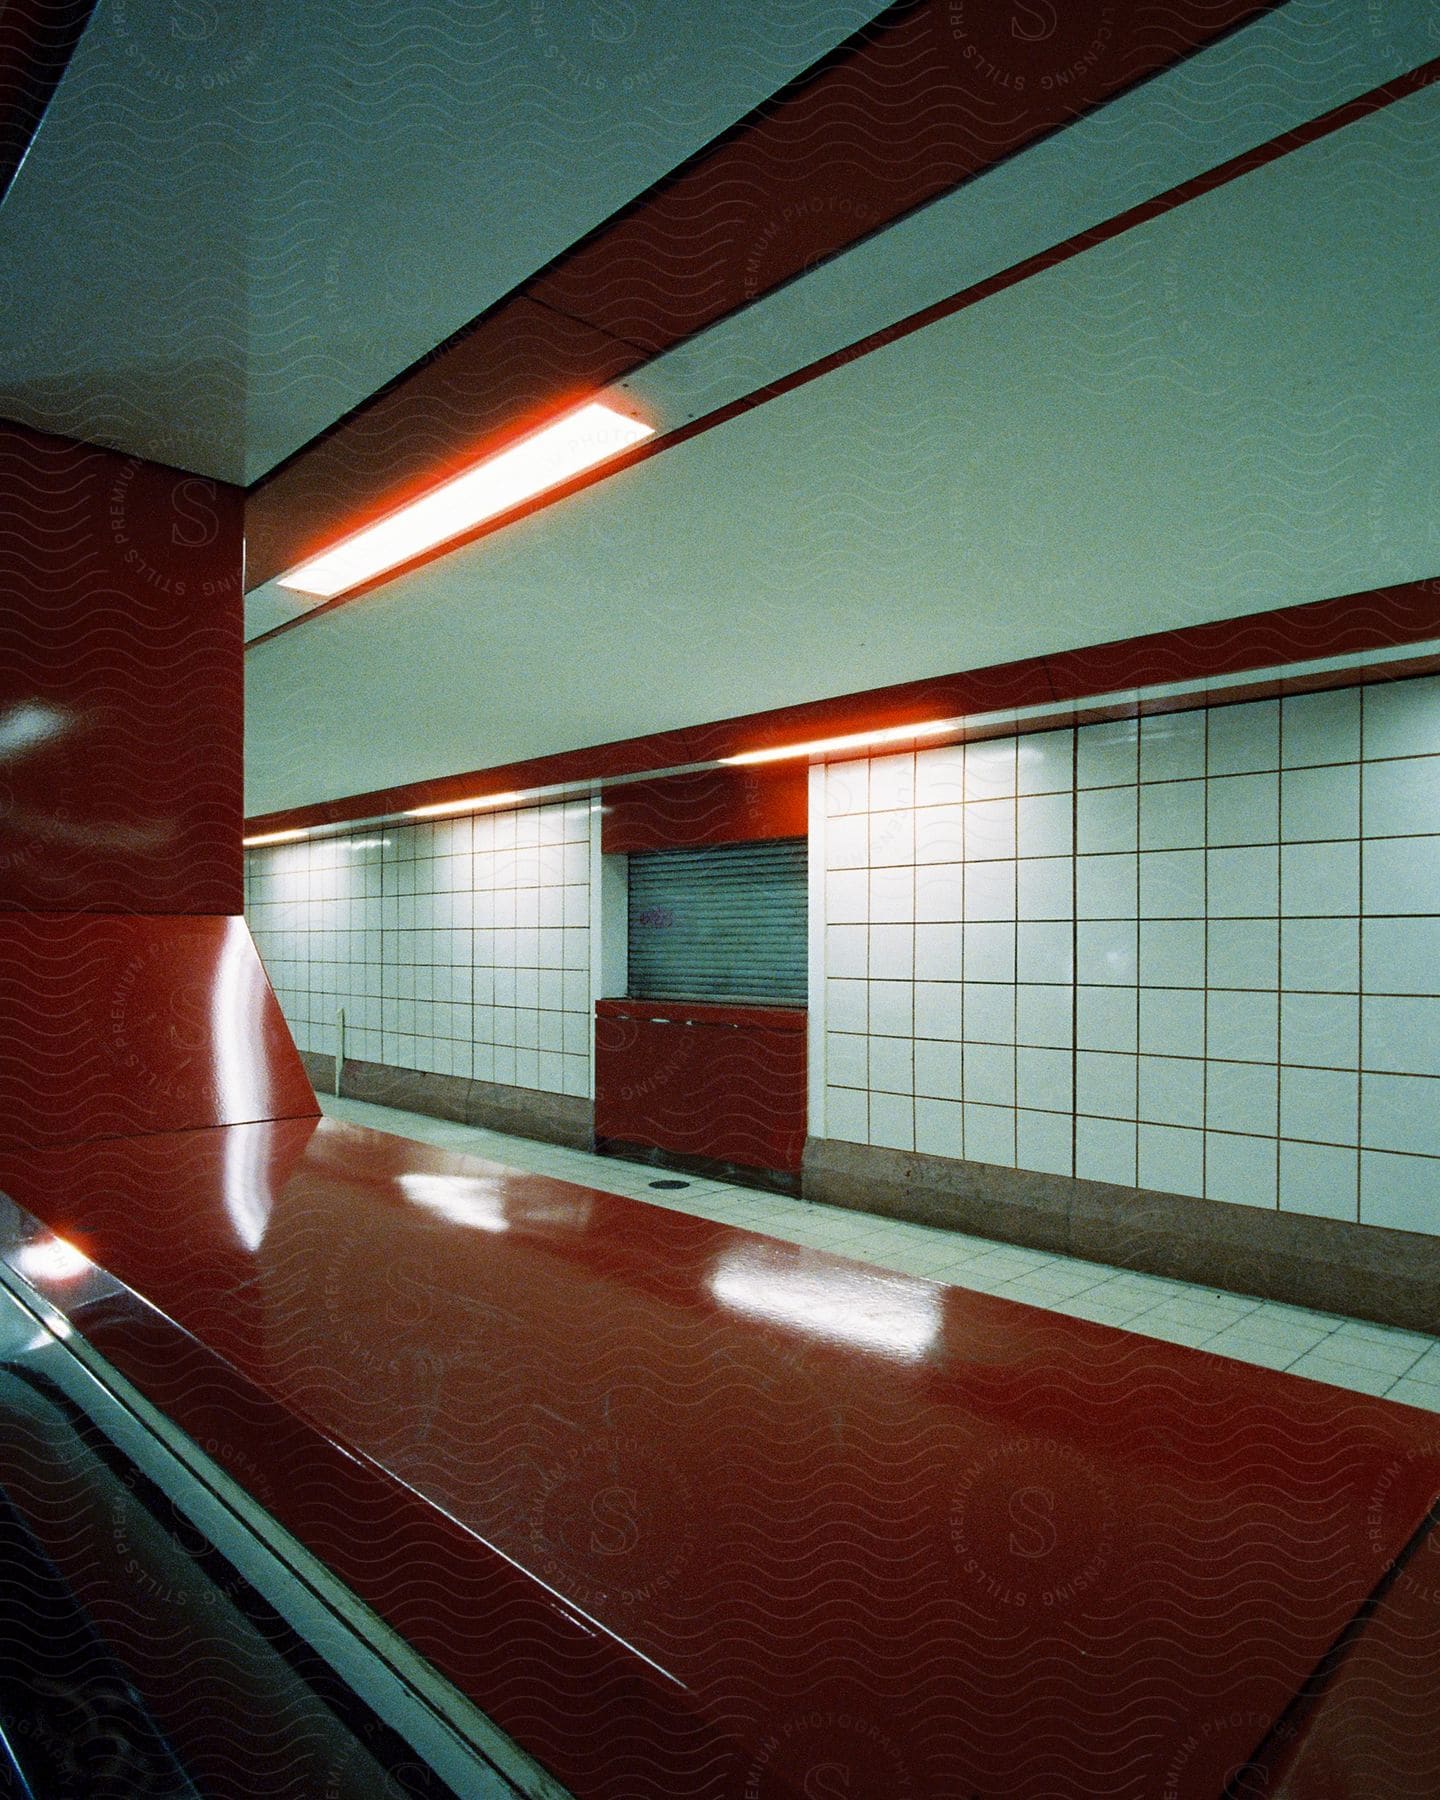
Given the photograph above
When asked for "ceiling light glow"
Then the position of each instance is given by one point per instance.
(273, 837)
(568, 446)
(441, 807)
(858, 740)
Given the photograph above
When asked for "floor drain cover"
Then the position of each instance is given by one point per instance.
(670, 1184)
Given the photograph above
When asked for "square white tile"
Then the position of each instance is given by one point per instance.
(1318, 1179)
(1320, 803)
(940, 834)
(1107, 754)
(892, 953)
(1105, 1150)
(1171, 1159)
(1320, 728)
(989, 1012)
(1320, 1030)
(939, 952)
(1243, 809)
(1172, 815)
(989, 1074)
(1172, 953)
(892, 1009)
(1401, 797)
(1044, 1015)
(1244, 953)
(1171, 1091)
(1320, 1105)
(1105, 1018)
(990, 891)
(990, 1134)
(1402, 875)
(1045, 825)
(1240, 1170)
(1242, 1026)
(989, 951)
(891, 1065)
(1105, 1084)
(1402, 718)
(1045, 887)
(1107, 951)
(1172, 884)
(990, 768)
(1400, 1112)
(937, 1069)
(1244, 737)
(1320, 954)
(1044, 1141)
(1242, 1097)
(1401, 1036)
(1243, 883)
(1045, 762)
(1172, 745)
(938, 1009)
(1045, 951)
(1172, 1020)
(1400, 956)
(1044, 1080)
(892, 1121)
(939, 1126)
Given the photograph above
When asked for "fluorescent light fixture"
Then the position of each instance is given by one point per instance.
(441, 807)
(273, 837)
(567, 446)
(858, 740)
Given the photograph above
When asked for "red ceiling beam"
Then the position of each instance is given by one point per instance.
(926, 97)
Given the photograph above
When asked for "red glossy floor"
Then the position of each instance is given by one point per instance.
(690, 1511)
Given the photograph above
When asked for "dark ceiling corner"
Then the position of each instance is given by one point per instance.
(37, 40)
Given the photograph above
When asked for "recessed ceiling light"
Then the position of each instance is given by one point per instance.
(858, 740)
(461, 806)
(567, 446)
(272, 837)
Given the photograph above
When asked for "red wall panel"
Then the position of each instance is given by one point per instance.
(725, 1082)
(712, 806)
(120, 683)
(119, 1025)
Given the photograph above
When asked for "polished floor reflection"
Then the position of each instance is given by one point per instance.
(689, 1509)
(1348, 1353)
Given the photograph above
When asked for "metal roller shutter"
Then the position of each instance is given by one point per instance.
(725, 922)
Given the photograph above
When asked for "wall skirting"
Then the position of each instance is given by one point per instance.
(1368, 1271)
(524, 1112)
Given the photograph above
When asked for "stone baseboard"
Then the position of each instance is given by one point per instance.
(523, 1112)
(1366, 1271)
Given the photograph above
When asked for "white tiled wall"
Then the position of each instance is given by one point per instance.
(461, 947)
(1199, 952)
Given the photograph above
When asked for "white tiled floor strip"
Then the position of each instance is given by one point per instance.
(1371, 1359)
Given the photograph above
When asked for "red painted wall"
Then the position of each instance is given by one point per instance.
(131, 996)
(120, 683)
(726, 1082)
(712, 806)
